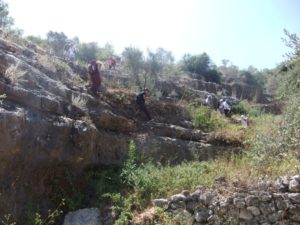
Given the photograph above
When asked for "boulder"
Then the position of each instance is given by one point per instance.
(89, 216)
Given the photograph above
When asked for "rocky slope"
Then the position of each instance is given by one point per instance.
(48, 122)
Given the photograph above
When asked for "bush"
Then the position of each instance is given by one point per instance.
(205, 118)
(130, 166)
(239, 109)
(202, 66)
(256, 112)
(276, 136)
(202, 118)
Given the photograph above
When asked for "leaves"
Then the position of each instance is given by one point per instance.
(202, 66)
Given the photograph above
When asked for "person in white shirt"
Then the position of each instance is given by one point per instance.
(226, 108)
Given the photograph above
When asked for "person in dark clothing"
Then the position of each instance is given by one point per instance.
(94, 76)
(140, 100)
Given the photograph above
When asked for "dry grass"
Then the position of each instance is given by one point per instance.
(47, 62)
(245, 172)
(227, 137)
(3, 96)
(13, 73)
(79, 101)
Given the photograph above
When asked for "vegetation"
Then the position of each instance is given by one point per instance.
(5, 20)
(202, 66)
(207, 119)
(57, 42)
(35, 218)
(271, 143)
(87, 51)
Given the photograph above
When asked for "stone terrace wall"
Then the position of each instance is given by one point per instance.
(242, 207)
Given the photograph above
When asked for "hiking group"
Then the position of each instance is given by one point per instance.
(95, 79)
(224, 105)
(94, 83)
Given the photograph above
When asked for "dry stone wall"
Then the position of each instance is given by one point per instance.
(251, 207)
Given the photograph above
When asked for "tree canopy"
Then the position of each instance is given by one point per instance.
(202, 66)
(5, 20)
(57, 42)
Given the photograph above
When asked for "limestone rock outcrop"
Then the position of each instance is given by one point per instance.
(48, 122)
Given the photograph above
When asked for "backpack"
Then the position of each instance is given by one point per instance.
(89, 68)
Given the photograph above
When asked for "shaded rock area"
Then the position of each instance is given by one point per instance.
(261, 204)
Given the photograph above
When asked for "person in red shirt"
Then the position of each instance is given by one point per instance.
(112, 64)
(94, 76)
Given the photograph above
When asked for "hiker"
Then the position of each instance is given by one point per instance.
(140, 100)
(94, 69)
(112, 63)
(66, 51)
(71, 53)
(219, 106)
(226, 108)
(122, 61)
(208, 100)
(244, 121)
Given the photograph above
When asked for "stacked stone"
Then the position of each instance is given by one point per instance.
(248, 207)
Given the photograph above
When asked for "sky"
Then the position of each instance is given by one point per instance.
(246, 32)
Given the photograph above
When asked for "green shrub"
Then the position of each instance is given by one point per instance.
(275, 137)
(202, 118)
(8, 220)
(256, 112)
(122, 207)
(130, 166)
(156, 181)
(34, 217)
(104, 181)
(205, 118)
(239, 109)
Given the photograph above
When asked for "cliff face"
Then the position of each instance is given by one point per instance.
(49, 123)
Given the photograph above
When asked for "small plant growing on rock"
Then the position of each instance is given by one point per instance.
(3, 96)
(37, 218)
(130, 166)
(13, 73)
(8, 220)
(79, 101)
(51, 217)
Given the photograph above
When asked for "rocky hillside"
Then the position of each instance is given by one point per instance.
(48, 122)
